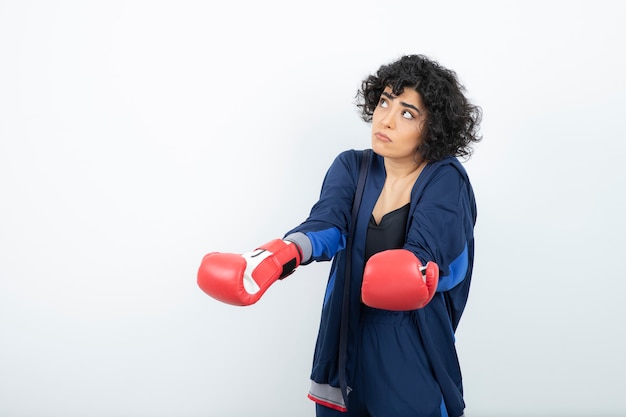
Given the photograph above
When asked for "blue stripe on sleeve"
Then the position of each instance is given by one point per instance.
(458, 270)
(326, 243)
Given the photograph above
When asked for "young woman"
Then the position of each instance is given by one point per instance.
(401, 246)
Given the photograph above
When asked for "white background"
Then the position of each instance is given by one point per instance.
(136, 136)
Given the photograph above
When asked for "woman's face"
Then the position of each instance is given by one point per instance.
(398, 125)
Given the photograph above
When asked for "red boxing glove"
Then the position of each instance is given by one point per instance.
(242, 279)
(396, 280)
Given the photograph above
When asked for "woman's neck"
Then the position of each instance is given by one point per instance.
(398, 171)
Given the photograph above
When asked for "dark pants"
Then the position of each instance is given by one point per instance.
(393, 376)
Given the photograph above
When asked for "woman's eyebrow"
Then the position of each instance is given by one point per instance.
(392, 97)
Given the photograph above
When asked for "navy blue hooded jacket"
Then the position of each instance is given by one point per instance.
(439, 228)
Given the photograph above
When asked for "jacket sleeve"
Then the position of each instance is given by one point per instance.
(441, 228)
(327, 224)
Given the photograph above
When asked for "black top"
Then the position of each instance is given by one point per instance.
(389, 234)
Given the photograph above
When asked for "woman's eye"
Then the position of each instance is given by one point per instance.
(407, 115)
(383, 103)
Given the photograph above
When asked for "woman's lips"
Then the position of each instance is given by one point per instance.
(382, 137)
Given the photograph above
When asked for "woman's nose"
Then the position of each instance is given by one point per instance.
(387, 120)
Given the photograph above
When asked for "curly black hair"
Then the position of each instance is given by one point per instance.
(452, 122)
